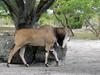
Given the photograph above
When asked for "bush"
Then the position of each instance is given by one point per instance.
(75, 23)
(46, 19)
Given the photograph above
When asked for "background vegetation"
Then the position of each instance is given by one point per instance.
(77, 12)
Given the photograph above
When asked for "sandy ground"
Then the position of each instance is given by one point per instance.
(82, 58)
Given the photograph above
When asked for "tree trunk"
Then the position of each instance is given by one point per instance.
(25, 13)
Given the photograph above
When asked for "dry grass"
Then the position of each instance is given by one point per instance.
(85, 35)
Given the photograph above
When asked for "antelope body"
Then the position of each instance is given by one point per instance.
(43, 36)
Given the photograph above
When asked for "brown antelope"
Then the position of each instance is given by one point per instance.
(63, 34)
(43, 36)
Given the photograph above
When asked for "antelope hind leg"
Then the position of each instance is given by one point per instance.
(11, 54)
(46, 58)
(21, 53)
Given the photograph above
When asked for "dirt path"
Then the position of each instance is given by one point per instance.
(83, 58)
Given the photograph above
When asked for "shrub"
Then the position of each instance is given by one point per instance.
(75, 23)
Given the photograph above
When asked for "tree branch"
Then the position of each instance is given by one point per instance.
(68, 24)
(20, 5)
(42, 7)
(11, 7)
(93, 29)
(12, 10)
(29, 7)
(58, 19)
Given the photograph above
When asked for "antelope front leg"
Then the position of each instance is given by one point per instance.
(55, 55)
(21, 53)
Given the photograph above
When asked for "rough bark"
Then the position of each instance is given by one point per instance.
(25, 13)
(92, 28)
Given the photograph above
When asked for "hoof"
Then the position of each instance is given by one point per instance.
(7, 64)
(57, 63)
(46, 65)
(26, 65)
